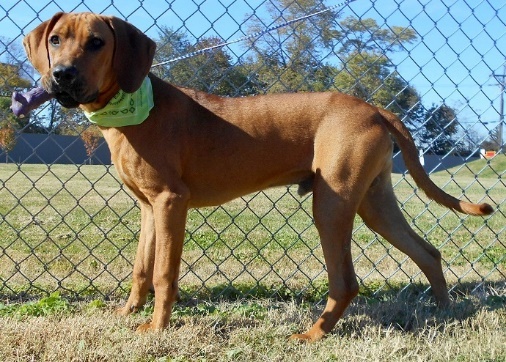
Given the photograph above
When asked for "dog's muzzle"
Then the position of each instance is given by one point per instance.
(67, 87)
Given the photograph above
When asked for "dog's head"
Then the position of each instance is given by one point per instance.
(85, 58)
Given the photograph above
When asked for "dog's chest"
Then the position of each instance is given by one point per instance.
(130, 179)
(125, 160)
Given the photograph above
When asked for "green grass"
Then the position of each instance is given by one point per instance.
(492, 168)
(74, 229)
(50, 305)
(252, 275)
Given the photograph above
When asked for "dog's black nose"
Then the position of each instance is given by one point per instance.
(64, 74)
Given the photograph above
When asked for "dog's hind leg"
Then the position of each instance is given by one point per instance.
(142, 279)
(381, 213)
(341, 180)
(333, 214)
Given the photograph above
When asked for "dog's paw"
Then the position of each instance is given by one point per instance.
(306, 337)
(127, 310)
(146, 327)
(300, 338)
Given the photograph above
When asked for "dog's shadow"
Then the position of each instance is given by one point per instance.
(408, 308)
(412, 309)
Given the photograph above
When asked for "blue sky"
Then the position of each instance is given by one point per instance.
(458, 49)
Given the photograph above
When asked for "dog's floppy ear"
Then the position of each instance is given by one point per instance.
(133, 54)
(36, 44)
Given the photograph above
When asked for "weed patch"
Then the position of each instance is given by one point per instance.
(50, 305)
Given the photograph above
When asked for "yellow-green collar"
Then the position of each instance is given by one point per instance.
(125, 109)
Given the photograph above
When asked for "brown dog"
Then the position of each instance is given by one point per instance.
(196, 149)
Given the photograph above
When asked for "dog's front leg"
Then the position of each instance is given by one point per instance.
(169, 210)
(142, 278)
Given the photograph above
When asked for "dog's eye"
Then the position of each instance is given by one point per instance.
(95, 43)
(54, 40)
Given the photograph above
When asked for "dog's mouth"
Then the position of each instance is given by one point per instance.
(70, 96)
(66, 100)
(73, 99)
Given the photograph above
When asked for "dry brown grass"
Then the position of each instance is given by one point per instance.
(395, 330)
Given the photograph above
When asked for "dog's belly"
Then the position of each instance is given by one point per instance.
(214, 178)
(212, 192)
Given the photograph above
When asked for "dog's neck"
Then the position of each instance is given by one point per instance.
(124, 109)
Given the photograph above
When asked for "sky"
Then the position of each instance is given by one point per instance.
(461, 43)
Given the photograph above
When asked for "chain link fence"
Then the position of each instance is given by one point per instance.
(69, 225)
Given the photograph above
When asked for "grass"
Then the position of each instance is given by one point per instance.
(401, 329)
(485, 168)
(74, 229)
(255, 269)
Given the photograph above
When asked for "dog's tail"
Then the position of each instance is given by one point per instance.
(410, 156)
